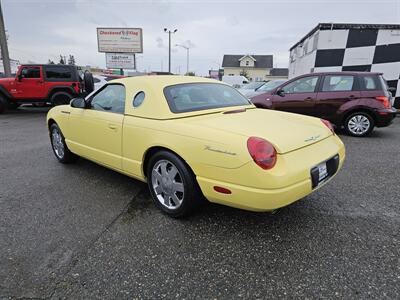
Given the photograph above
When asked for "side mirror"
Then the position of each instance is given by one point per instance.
(78, 103)
(280, 93)
(19, 77)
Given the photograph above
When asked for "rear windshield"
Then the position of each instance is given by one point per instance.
(200, 96)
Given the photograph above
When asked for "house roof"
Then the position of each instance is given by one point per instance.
(279, 72)
(247, 55)
(333, 26)
(261, 61)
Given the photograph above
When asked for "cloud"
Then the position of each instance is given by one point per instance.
(232, 21)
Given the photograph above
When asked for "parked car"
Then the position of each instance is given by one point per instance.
(99, 81)
(235, 80)
(249, 88)
(34, 84)
(358, 101)
(266, 87)
(188, 137)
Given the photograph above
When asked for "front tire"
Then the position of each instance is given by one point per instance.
(60, 148)
(359, 124)
(173, 186)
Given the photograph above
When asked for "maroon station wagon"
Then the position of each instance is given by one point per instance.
(358, 101)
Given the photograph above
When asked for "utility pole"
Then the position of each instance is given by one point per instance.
(187, 56)
(4, 48)
(169, 46)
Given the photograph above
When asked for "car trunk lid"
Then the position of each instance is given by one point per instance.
(286, 131)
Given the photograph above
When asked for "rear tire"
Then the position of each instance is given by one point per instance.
(173, 186)
(60, 148)
(359, 124)
(60, 98)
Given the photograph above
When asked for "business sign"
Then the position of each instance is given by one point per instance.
(120, 40)
(120, 60)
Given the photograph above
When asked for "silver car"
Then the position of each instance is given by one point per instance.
(250, 87)
(266, 87)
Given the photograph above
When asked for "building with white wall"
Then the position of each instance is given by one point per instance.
(349, 47)
(256, 67)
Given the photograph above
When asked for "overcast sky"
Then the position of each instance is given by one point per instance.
(39, 30)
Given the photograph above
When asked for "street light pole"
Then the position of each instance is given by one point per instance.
(4, 48)
(187, 56)
(169, 47)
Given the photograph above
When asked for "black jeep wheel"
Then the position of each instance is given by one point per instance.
(88, 81)
(60, 98)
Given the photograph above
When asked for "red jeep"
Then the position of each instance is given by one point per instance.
(52, 84)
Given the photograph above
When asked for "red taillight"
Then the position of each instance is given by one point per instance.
(385, 101)
(262, 152)
(329, 125)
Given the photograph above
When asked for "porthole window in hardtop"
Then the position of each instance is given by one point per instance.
(138, 99)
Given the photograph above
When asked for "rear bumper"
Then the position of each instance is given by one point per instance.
(384, 117)
(255, 199)
(269, 199)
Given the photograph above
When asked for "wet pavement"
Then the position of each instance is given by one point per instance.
(83, 231)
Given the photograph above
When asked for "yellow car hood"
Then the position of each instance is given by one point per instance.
(286, 131)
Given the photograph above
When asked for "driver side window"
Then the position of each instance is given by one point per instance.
(30, 72)
(110, 99)
(302, 85)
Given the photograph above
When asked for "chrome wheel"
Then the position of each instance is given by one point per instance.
(359, 125)
(57, 142)
(167, 184)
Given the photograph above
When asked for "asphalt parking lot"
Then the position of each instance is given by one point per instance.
(82, 231)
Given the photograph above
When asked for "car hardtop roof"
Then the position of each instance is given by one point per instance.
(48, 65)
(155, 104)
(165, 80)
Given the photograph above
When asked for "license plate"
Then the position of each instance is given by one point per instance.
(322, 171)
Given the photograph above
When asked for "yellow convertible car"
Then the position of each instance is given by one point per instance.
(191, 138)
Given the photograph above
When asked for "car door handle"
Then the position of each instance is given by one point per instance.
(309, 99)
(112, 126)
(352, 97)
